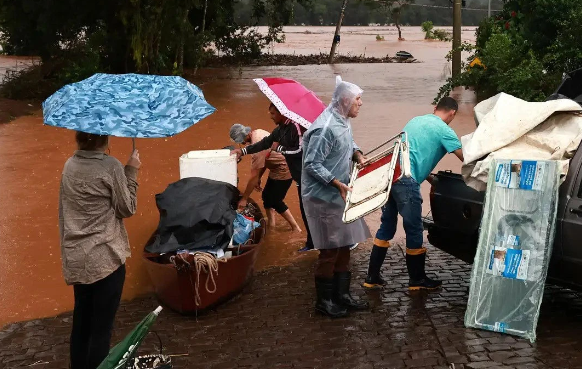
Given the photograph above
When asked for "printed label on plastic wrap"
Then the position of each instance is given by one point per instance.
(513, 240)
(500, 327)
(525, 175)
(509, 263)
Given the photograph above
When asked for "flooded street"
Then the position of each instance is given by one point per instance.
(32, 155)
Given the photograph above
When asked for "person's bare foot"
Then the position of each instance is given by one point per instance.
(296, 229)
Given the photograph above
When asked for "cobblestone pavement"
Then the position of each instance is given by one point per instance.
(272, 325)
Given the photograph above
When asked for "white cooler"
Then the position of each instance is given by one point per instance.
(217, 165)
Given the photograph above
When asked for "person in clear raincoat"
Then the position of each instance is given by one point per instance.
(329, 151)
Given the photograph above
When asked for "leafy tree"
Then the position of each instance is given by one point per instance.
(396, 9)
(149, 36)
(392, 9)
(427, 28)
(523, 51)
(364, 12)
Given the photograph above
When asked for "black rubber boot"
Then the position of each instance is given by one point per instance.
(342, 293)
(373, 280)
(373, 283)
(418, 279)
(325, 304)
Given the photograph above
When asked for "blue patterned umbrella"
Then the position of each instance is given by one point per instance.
(127, 105)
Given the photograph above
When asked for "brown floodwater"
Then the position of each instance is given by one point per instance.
(32, 156)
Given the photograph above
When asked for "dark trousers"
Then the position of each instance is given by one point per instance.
(332, 261)
(274, 194)
(95, 308)
(309, 242)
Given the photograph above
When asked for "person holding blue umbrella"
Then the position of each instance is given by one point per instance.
(97, 192)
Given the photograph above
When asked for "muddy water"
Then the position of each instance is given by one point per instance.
(32, 156)
(15, 63)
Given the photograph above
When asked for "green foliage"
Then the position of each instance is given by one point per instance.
(435, 34)
(427, 27)
(442, 35)
(244, 42)
(484, 32)
(524, 51)
(36, 27)
(75, 38)
(363, 12)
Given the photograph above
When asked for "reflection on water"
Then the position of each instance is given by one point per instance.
(32, 156)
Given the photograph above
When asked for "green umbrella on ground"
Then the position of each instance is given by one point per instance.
(125, 350)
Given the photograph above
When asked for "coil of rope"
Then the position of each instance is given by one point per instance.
(203, 262)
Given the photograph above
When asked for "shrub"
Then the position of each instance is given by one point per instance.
(427, 29)
(441, 34)
(524, 51)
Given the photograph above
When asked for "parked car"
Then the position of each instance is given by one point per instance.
(457, 210)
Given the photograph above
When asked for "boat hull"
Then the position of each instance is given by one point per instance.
(176, 288)
(175, 283)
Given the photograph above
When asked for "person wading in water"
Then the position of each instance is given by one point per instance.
(285, 139)
(279, 179)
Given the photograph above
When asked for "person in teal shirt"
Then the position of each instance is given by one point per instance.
(430, 138)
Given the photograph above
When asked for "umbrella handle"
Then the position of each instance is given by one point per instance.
(159, 340)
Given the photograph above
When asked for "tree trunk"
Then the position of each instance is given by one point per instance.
(202, 29)
(157, 39)
(397, 21)
(181, 57)
(337, 31)
(204, 16)
(182, 41)
(158, 42)
(457, 23)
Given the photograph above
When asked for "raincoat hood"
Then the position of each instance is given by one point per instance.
(344, 96)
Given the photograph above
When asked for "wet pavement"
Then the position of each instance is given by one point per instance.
(272, 325)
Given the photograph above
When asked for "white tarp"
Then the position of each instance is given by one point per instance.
(511, 128)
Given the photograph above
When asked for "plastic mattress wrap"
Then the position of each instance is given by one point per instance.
(515, 244)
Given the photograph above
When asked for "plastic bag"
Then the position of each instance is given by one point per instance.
(243, 227)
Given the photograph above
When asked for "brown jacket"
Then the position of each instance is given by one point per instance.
(96, 193)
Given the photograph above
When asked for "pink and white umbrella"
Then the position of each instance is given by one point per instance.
(293, 100)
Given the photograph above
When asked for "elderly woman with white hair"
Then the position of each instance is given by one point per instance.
(279, 179)
(329, 151)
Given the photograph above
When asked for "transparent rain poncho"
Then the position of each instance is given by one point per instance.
(328, 148)
(328, 145)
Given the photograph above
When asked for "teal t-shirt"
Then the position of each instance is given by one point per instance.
(429, 139)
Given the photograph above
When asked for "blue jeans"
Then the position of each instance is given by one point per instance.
(404, 199)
